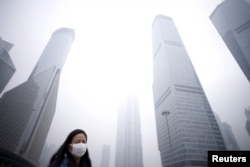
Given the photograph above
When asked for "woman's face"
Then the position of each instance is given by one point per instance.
(79, 138)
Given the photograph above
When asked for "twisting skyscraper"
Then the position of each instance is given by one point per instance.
(128, 141)
(27, 110)
(7, 68)
(232, 20)
(186, 126)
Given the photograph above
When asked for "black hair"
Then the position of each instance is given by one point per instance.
(63, 153)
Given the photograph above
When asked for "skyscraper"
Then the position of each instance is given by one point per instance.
(186, 126)
(227, 134)
(128, 141)
(229, 138)
(28, 109)
(231, 18)
(247, 113)
(7, 68)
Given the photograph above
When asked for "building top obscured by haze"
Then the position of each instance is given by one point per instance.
(129, 139)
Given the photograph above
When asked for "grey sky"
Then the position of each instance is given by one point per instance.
(112, 49)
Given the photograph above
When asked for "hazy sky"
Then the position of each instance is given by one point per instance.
(112, 53)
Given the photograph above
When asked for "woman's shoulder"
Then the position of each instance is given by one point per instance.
(64, 164)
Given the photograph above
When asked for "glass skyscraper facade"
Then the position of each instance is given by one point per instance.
(7, 68)
(128, 141)
(231, 18)
(190, 128)
(27, 110)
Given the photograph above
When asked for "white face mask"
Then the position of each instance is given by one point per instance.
(78, 149)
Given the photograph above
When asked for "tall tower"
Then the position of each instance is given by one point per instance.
(27, 110)
(128, 141)
(232, 20)
(7, 68)
(186, 126)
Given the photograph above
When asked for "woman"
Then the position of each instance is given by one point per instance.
(73, 152)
